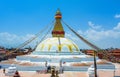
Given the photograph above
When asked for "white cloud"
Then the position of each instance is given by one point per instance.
(98, 34)
(93, 25)
(102, 38)
(117, 27)
(12, 40)
(103, 34)
(117, 16)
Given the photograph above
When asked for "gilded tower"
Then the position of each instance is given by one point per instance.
(58, 30)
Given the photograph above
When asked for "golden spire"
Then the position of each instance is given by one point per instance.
(58, 30)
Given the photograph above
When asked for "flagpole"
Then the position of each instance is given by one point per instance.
(95, 64)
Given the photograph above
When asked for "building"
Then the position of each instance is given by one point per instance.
(2, 52)
(113, 52)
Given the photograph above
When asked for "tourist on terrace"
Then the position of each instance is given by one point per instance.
(4, 70)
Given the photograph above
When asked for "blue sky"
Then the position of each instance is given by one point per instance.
(96, 20)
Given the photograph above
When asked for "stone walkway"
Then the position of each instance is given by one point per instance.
(101, 73)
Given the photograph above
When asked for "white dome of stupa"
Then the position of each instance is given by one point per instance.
(60, 44)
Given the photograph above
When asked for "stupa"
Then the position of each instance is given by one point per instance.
(56, 50)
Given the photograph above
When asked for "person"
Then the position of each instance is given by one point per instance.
(53, 73)
(16, 74)
(61, 70)
(4, 70)
(57, 73)
(48, 69)
(60, 63)
(46, 64)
